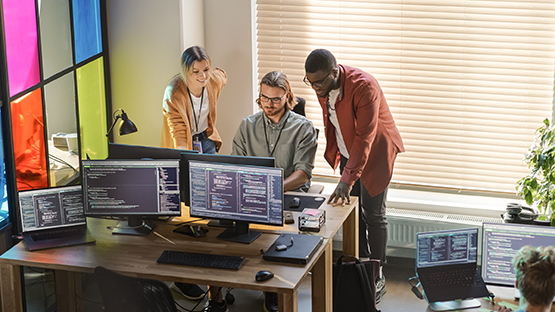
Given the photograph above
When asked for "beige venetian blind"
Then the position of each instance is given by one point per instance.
(468, 82)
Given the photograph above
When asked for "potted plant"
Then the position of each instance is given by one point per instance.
(538, 187)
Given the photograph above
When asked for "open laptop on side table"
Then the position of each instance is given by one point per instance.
(446, 265)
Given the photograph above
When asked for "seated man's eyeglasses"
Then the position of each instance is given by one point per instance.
(275, 100)
(319, 83)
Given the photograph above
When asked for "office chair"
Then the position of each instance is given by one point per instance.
(125, 293)
(300, 109)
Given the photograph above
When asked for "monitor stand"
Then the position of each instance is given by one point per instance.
(135, 225)
(221, 223)
(454, 305)
(240, 233)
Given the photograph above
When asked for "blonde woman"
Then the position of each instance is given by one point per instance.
(189, 105)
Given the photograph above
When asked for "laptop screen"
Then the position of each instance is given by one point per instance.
(501, 243)
(446, 247)
(51, 208)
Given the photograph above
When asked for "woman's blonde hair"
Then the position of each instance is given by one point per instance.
(189, 57)
(276, 79)
(535, 274)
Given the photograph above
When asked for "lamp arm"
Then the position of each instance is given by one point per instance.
(113, 124)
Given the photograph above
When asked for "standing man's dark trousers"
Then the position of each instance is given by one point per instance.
(372, 220)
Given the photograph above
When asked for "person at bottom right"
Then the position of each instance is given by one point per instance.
(361, 137)
(535, 279)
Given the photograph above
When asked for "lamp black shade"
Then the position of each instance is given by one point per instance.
(127, 126)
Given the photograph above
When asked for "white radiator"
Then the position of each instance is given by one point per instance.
(404, 224)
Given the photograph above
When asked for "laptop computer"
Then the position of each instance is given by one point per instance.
(53, 217)
(293, 248)
(502, 242)
(446, 265)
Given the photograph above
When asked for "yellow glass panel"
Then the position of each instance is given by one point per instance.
(91, 97)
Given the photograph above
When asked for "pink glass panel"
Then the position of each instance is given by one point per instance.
(21, 44)
(28, 141)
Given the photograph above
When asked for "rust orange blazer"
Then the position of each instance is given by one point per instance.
(368, 129)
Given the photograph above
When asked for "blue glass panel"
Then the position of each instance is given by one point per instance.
(87, 31)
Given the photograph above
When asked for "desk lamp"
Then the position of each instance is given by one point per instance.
(126, 127)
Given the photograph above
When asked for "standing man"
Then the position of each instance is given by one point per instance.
(277, 132)
(362, 139)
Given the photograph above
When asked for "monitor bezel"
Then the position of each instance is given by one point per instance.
(114, 213)
(186, 156)
(235, 219)
(484, 246)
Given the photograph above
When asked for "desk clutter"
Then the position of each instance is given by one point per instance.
(312, 219)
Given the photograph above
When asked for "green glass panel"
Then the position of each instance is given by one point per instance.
(92, 110)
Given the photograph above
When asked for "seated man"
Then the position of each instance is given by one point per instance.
(276, 132)
(535, 278)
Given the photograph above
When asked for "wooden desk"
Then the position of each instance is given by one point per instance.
(136, 256)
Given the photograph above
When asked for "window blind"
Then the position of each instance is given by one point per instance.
(468, 82)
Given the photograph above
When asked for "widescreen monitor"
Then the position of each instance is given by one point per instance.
(501, 243)
(244, 194)
(187, 156)
(132, 189)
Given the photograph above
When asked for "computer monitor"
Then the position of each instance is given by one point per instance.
(244, 194)
(127, 151)
(501, 243)
(186, 156)
(132, 189)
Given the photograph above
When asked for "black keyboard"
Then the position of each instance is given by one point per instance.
(55, 234)
(458, 277)
(201, 260)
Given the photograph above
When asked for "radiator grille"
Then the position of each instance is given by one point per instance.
(404, 224)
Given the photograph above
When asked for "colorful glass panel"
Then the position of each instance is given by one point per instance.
(28, 141)
(87, 31)
(92, 110)
(61, 125)
(55, 36)
(20, 29)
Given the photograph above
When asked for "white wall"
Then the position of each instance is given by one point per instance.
(146, 39)
(228, 38)
(145, 52)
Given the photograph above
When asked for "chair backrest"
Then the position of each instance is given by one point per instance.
(299, 108)
(124, 293)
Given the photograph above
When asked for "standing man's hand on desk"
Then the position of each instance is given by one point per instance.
(342, 191)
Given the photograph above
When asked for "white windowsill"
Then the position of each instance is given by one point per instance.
(484, 206)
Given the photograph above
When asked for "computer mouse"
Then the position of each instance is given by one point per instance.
(295, 202)
(263, 276)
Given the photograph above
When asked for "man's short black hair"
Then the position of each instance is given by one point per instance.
(320, 59)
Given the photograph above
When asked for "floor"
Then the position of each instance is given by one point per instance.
(39, 285)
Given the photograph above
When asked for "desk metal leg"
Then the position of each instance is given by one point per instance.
(350, 233)
(288, 302)
(322, 283)
(10, 288)
(68, 284)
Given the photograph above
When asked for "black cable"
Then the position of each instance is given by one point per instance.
(190, 221)
(58, 159)
(87, 300)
